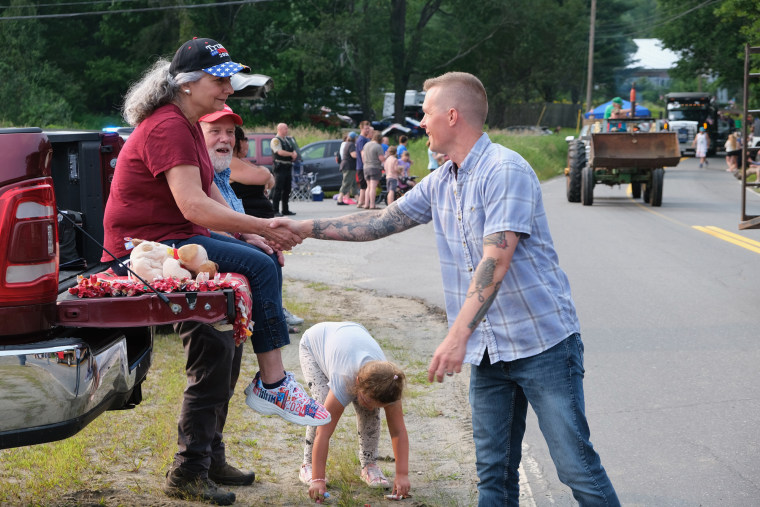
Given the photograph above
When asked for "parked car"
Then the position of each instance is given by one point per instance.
(411, 127)
(260, 150)
(319, 158)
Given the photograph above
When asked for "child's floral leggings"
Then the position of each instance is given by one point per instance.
(367, 421)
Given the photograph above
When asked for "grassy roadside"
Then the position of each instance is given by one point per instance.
(121, 457)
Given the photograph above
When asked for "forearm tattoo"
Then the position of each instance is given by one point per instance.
(364, 226)
(484, 278)
(484, 307)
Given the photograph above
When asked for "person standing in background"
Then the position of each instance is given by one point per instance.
(285, 152)
(348, 168)
(365, 131)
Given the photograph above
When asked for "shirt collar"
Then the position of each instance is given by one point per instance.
(224, 174)
(472, 158)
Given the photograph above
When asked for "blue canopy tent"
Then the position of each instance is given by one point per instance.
(598, 111)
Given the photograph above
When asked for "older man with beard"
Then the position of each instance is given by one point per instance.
(219, 133)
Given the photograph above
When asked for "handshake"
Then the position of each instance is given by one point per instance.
(284, 234)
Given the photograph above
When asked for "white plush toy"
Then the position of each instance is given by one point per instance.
(151, 260)
(147, 259)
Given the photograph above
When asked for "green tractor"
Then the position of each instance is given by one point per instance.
(617, 152)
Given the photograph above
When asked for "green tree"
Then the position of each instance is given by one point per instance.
(30, 90)
(710, 38)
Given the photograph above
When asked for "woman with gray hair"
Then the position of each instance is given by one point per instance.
(163, 191)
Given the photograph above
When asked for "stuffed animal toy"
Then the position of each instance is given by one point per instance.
(195, 259)
(151, 260)
(147, 259)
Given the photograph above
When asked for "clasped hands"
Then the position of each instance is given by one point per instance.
(284, 234)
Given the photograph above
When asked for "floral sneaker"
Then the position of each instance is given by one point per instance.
(374, 477)
(288, 401)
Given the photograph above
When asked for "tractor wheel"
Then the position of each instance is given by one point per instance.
(576, 161)
(658, 176)
(587, 186)
(636, 189)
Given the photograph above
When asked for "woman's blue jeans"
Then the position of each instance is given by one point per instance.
(552, 382)
(264, 274)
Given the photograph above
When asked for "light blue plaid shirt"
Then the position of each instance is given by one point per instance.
(496, 190)
(222, 181)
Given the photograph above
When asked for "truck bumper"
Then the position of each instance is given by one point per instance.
(52, 389)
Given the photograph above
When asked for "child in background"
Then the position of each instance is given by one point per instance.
(391, 173)
(343, 364)
(404, 164)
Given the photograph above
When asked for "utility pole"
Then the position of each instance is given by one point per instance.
(590, 72)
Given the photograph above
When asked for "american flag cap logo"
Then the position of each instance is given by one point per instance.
(207, 55)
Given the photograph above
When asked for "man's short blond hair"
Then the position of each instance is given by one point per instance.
(463, 92)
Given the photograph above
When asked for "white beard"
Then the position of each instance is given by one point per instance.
(220, 162)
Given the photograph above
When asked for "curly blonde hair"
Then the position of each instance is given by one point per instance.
(381, 381)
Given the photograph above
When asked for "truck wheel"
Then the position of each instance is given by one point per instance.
(636, 189)
(658, 177)
(576, 161)
(587, 186)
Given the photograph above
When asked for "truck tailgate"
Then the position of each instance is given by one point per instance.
(145, 309)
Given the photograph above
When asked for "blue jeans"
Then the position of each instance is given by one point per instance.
(552, 382)
(264, 274)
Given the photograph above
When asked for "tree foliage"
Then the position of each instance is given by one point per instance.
(346, 53)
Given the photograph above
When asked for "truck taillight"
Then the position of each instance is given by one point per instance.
(28, 243)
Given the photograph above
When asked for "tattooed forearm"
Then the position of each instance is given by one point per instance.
(364, 226)
(484, 307)
(499, 240)
(483, 278)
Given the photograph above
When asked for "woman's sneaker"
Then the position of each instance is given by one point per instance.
(374, 477)
(288, 401)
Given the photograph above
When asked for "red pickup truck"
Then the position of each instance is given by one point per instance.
(47, 178)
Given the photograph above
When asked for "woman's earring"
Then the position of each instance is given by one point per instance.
(187, 91)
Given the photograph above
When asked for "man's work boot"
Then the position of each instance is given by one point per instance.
(187, 486)
(230, 476)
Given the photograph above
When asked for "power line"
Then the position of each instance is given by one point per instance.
(123, 11)
(704, 4)
(90, 2)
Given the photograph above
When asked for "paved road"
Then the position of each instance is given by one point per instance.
(669, 320)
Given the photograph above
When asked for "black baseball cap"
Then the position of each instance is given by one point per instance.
(206, 55)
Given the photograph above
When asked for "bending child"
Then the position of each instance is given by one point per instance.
(343, 364)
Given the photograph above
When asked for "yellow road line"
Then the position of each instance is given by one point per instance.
(731, 237)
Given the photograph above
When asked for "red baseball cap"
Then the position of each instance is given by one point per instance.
(227, 111)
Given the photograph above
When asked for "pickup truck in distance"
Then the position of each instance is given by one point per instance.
(66, 360)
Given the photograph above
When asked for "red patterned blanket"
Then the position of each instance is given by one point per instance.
(107, 284)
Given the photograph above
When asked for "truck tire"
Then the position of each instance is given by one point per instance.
(576, 161)
(587, 186)
(658, 177)
(636, 189)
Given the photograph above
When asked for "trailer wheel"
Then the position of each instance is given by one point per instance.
(636, 189)
(658, 177)
(587, 186)
(576, 161)
(647, 193)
